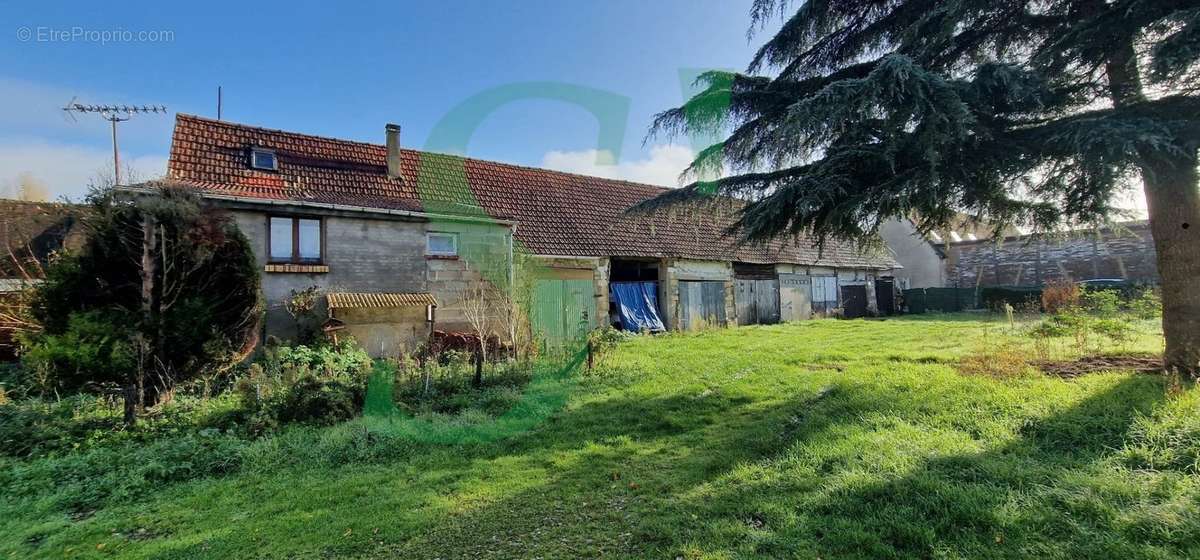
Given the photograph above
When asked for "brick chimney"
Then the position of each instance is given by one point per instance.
(393, 151)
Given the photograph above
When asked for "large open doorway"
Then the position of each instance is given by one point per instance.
(634, 295)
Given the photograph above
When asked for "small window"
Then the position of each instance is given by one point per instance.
(441, 244)
(295, 240)
(263, 159)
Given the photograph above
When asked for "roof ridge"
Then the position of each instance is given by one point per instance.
(417, 151)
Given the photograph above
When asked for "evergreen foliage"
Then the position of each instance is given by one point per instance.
(916, 108)
(202, 314)
(1032, 112)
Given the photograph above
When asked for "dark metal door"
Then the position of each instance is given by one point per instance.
(885, 296)
(854, 301)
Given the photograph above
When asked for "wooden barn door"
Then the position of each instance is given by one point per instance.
(701, 304)
(757, 301)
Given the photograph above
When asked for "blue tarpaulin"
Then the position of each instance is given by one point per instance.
(637, 306)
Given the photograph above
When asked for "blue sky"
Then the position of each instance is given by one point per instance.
(343, 70)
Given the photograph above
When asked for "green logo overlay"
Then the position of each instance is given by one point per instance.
(515, 274)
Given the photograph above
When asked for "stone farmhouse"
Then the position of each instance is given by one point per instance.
(395, 239)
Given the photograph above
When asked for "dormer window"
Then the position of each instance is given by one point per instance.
(261, 158)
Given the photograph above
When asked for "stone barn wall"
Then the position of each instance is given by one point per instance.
(1124, 252)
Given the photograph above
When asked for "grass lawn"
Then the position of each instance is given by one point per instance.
(825, 439)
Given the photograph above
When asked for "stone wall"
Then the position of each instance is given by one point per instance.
(1112, 253)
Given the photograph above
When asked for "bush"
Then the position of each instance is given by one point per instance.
(1098, 315)
(320, 401)
(93, 350)
(203, 314)
(35, 427)
(996, 297)
(1101, 303)
(1059, 295)
(1146, 304)
(316, 385)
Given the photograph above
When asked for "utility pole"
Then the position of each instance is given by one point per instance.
(114, 114)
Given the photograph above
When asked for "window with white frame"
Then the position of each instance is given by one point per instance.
(261, 158)
(441, 244)
(824, 293)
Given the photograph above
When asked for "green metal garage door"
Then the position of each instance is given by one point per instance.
(563, 311)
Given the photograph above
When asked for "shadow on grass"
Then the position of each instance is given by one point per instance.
(1042, 495)
(625, 462)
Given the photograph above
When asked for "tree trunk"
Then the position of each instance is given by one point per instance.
(145, 347)
(1173, 203)
(477, 381)
(1173, 199)
(129, 392)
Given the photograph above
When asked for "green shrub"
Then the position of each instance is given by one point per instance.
(1146, 305)
(1105, 304)
(608, 338)
(320, 401)
(36, 427)
(1100, 314)
(343, 359)
(93, 348)
(317, 385)
(93, 478)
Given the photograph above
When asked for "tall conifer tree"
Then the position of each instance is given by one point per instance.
(1013, 111)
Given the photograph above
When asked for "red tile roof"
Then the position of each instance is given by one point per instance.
(556, 213)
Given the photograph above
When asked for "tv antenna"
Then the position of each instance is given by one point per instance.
(113, 114)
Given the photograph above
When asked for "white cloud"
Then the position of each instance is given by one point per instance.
(67, 169)
(663, 167)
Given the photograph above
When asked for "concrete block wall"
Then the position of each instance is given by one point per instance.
(363, 255)
(382, 254)
(483, 256)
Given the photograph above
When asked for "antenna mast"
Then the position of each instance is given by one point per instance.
(114, 114)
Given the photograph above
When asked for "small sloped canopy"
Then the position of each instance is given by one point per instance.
(379, 300)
